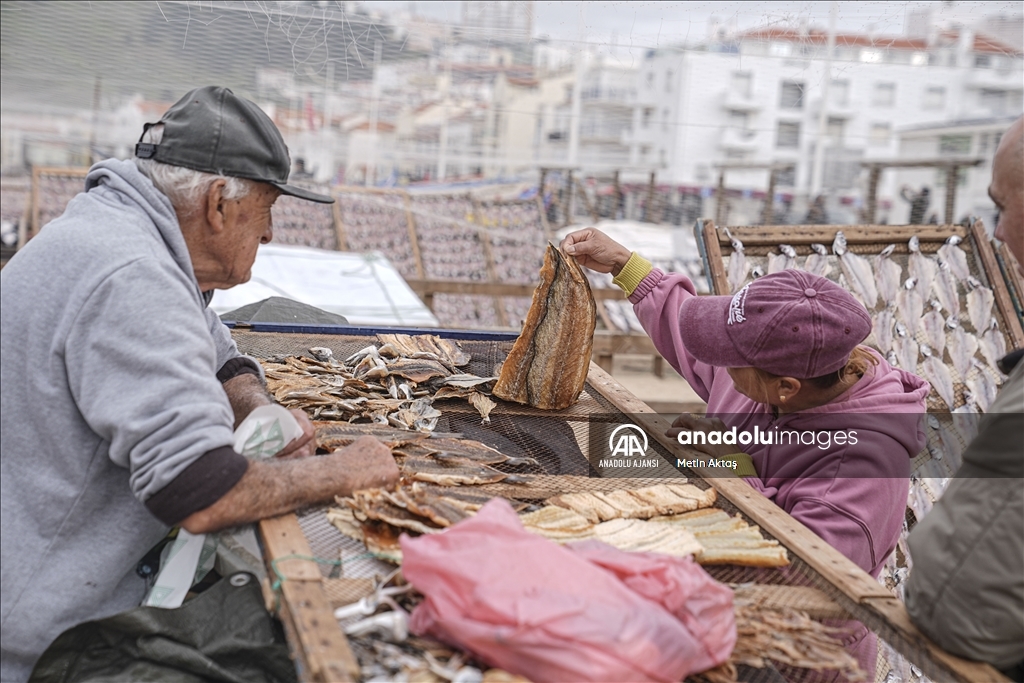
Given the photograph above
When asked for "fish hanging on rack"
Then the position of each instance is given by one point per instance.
(962, 347)
(983, 386)
(887, 275)
(738, 265)
(951, 446)
(906, 349)
(857, 270)
(783, 261)
(756, 272)
(955, 257)
(882, 323)
(993, 346)
(919, 266)
(910, 305)
(979, 304)
(944, 287)
(938, 375)
(817, 263)
(933, 325)
(965, 419)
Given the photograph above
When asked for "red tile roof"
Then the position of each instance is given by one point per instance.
(814, 36)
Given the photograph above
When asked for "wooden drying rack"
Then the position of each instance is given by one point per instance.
(322, 652)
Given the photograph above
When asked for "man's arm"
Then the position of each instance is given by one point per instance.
(246, 393)
(275, 487)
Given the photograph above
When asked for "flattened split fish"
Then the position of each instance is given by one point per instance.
(955, 257)
(979, 304)
(938, 375)
(857, 270)
(992, 345)
(906, 349)
(787, 259)
(920, 267)
(817, 262)
(738, 266)
(887, 275)
(883, 322)
(944, 286)
(910, 305)
(962, 347)
(983, 386)
(933, 325)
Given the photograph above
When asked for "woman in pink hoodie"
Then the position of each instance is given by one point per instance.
(783, 355)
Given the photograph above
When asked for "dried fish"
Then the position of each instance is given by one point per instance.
(636, 535)
(333, 435)
(955, 257)
(783, 261)
(910, 305)
(483, 405)
(857, 270)
(558, 524)
(933, 325)
(372, 504)
(983, 385)
(944, 286)
(436, 348)
(950, 443)
(992, 345)
(469, 451)
(938, 375)
(756, 272)
(888, 274)
(467, 381)
(919, 266)
(979, 304)
(548, 365)
(738, 265)
(460, 473)
(440, 510)
(883, 323)
(906, 349)
(416, 370)
(817, 263)
(323, 354)
(962, 347)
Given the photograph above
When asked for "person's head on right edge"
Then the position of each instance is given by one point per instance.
(789, 339)
(1007, 189)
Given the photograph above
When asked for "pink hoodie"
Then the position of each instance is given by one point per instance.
(853, 496)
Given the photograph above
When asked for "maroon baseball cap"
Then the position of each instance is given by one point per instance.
(790, 323)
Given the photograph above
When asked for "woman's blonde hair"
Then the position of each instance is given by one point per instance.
(860, 360)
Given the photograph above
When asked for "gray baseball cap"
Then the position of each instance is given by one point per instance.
(215, 131)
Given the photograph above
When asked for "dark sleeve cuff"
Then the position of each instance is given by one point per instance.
(199, 485)
(237, 366)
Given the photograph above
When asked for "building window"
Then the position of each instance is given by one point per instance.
(983, 61)
(791, 95)
(993, 100)
(788, 135)
(786, 176)
(738, 119)
(650, 80)
(884, 95)
(740, 83)
(870, 56)
(646, 120)
(839, 92)
(780, 49)
(835, 129)
(645, 152)
(934, 97)
(664, 119)
(954, 144)
(919, 59)
(668, 81)
(880, 134)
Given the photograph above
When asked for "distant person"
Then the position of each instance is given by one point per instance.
(919, 202)
(816, 215)
(966, 591)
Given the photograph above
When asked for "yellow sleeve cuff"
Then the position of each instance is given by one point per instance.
(635, 270)
(744, 464)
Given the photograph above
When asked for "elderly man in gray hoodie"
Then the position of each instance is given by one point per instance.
(121, 389)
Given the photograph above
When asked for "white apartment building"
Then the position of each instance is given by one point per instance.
(758, 99)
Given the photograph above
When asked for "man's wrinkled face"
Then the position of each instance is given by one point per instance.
(1007, 190)
(248, 224)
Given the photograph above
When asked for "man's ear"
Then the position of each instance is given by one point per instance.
(215, 205)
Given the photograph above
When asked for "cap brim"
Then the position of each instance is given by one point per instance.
(702, 327)
(299, 192)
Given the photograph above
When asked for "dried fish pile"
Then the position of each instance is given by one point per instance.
(394, 384)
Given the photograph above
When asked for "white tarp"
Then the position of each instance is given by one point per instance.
(365, 288)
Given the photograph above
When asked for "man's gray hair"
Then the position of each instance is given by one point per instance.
(184, 186)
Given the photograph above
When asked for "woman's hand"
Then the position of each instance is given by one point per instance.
(691, 423)
(595, 250)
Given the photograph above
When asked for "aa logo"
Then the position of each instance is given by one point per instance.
(627, 441)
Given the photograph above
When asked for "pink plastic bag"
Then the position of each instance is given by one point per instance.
(527, 605)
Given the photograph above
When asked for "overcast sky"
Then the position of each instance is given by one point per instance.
(650, 24)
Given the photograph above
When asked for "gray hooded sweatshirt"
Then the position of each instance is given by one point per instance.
(115, 423)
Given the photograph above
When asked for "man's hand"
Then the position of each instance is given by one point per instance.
(300, 446)
(595, 250)
(691, 423)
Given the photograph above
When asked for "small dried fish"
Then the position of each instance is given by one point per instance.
(979, 304)
(738, 265)
(416, 370)
(483, 405)
(323, 354)
(467, 381)
(756, 272)
(962, 347)
(992, 345)
(944, 287)
(955, 257)
(783, 261)
(888, 274)
(938, 375)
(910, 305)
(906, 349)
(920, 267)
(951, 446)
(983, 385)
(857, 270)
(933, 325)
(883, 323)
(459, 473)
(817, 262)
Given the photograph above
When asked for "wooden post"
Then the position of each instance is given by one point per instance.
(952, 172)
(485, 243)
(649, 207)
(413, 238)
(339, 224)
(871, 201)
(720, 199)
(570, 207)
(620, 199)
(769, 201)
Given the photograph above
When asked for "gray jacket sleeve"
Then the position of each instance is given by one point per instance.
(226, 348)
(141, 364)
